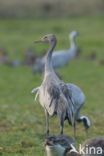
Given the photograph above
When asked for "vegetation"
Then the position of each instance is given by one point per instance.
(50, 8)
(22, 119)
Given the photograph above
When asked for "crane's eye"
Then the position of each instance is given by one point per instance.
(45, 37)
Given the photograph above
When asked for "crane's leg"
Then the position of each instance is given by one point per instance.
(74, 129)
(61, 124)
(47, 122)
(74, 126)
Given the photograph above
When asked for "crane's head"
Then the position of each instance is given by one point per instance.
(86, 122)
(50, 38)
(59, 145)
(73, 34)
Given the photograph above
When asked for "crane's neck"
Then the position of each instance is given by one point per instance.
(73, 48)
(48, 61)
(73, 42)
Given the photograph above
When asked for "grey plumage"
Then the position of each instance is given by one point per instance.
(59, 145)
(63, 140)
(77, 98)
(96, 142)
(65, 146)
(55, 96)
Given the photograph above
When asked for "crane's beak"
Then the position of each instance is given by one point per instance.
(40, 41)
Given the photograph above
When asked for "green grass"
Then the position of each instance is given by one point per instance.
(22, 119)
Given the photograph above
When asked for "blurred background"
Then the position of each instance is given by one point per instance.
(50, 8)
(23, 21)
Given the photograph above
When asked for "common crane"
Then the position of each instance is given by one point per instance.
(59, 98)
(58, 145)
(65, 146)
(51, 95)
(60, 57)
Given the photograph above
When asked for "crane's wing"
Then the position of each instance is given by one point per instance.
(35, 90)
(78, 98)
(68, 95)
(54, 92)
(77, 95)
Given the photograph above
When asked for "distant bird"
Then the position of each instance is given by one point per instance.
(56, 97)
(61, 57)
(92, 56)
(65, 146)
(29, 57)
(4, 59)
(101, 62)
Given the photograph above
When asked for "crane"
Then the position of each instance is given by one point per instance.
(65, 146)
(57, 97)
(58, 145)
(51, 96)
(78, 100)
(60, 57)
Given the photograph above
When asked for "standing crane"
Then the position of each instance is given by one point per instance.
(60, 57)
(56, 97)
(51, 95)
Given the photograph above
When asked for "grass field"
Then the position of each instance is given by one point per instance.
(22, 119)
